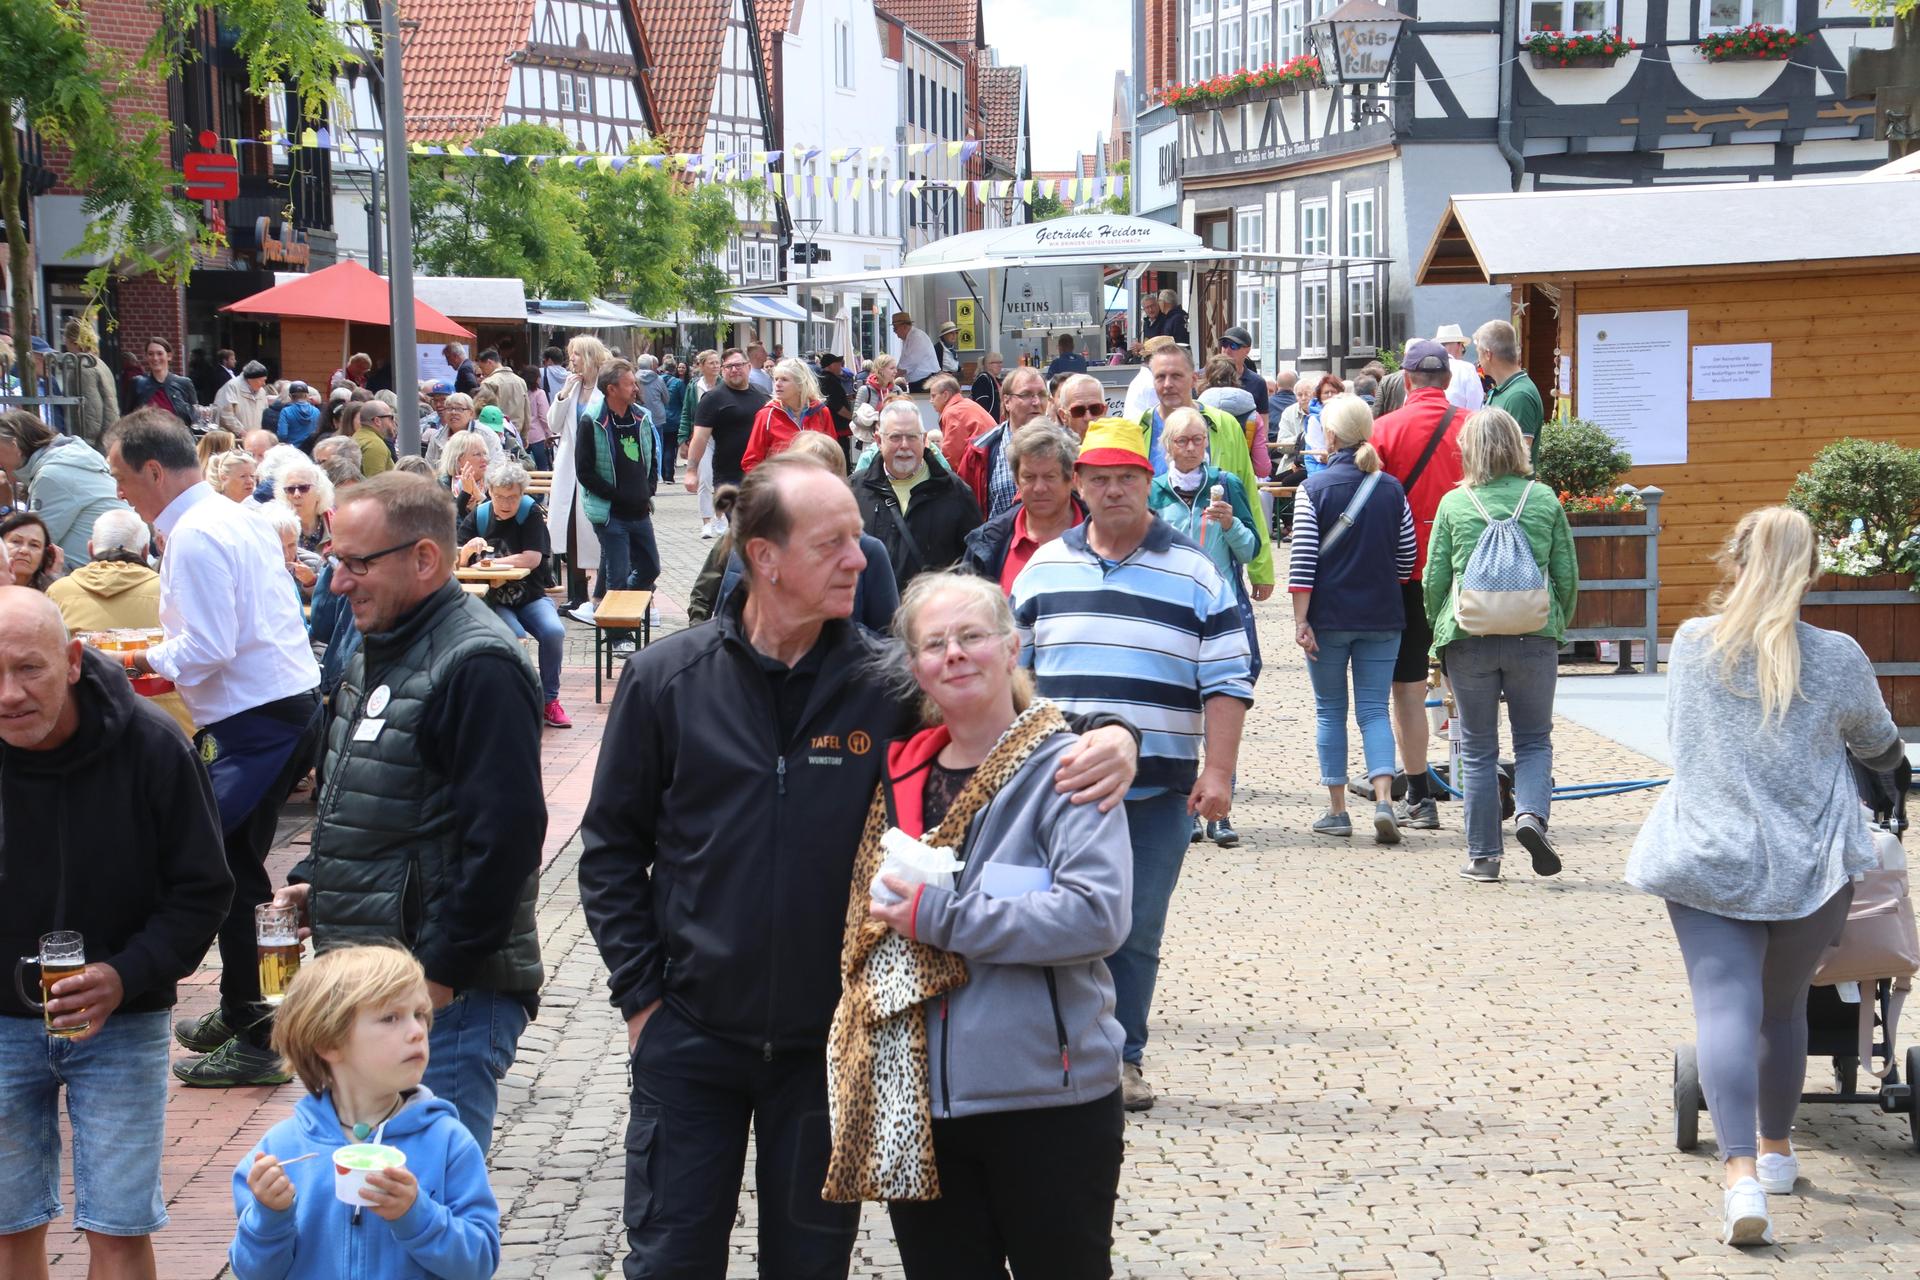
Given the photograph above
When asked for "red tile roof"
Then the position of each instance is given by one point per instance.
(942, 21)
(1001, 89)
(455, 69)
(687, 38)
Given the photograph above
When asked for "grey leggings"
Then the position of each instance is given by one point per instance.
(1749, 981)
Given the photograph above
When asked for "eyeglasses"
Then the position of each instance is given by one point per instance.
(902, 437)
(1232, 346)
(1038, 394)
(734, 364)
(295, 490)
(1084, 410)
(970, 640)
(358, 565)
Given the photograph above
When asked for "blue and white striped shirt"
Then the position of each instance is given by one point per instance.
(1150, 638)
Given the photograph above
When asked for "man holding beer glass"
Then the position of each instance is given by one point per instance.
(115, 882)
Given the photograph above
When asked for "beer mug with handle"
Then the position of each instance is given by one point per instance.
(62, 955)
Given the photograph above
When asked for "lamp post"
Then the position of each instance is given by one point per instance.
(1355, 44)
(406, 356)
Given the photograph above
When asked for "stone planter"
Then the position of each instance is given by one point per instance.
(1548, 62)
(1880, 613)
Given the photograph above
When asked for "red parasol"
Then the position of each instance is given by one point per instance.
(345, 291)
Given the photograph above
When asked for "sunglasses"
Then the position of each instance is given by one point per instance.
(1084, 410)
(1232, 346)
(295, 490)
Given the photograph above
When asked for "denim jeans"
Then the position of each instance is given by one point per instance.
(541, 451)
(472, 1044)
(669, 444)
(1371, 655)
(116, 1085)
(1158, 827)
(539, 619)
(1524, 668)
(629, 557)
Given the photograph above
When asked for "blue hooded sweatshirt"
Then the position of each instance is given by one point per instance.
(452, 1231)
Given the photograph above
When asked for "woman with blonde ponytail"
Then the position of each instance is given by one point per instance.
(1353, 545)
(1756, 840)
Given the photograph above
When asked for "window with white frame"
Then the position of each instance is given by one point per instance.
(1230, 45)
(564, 87)
(1360, 235)
(733, 255)
(1313, 226)
(1259, 39)
(1313, 317)
(1202, 8)
(1363, 326)
(583, 95)
(1250, 229)
(1201, 63)
(768, 267)
(1726, 15)
(1292, 41)
(843, 55)
(1576, 15)
(1318, 9)
(1246, 311)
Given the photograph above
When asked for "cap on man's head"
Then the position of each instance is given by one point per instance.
(298, 388)
(1425, 355)
(440, 389)
(253, 369)
(827, 357)
(41, 347)
(1238, 336)
(339, 394)
(1450, 333)
(492, 417)
(1115, 442)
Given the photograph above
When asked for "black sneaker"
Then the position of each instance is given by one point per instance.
(1423, 815)
(205, 1033)
(1199, 831)
(1223, 834)
(234, 1065)
(1532, 835)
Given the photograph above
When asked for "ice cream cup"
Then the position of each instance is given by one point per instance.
(352, 1164)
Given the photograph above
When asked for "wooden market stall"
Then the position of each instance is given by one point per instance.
(1726, 332)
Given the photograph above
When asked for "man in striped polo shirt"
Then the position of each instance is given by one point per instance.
(1123, 614)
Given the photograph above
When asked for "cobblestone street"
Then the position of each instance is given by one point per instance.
(1367, 1066)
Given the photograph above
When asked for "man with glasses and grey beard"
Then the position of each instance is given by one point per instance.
(918, 509)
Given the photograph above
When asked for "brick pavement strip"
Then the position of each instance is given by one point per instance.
(1367, 1066)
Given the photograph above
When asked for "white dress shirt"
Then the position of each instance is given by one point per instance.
(1465, 390)
(915, 354)
(234, 636)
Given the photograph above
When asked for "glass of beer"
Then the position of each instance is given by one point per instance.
(62, 954)
(276, 932)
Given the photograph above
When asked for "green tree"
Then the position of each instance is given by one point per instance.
(481, 216)
(63, 85)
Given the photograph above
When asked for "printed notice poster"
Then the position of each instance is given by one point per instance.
(1633, 381)
(1733, 371)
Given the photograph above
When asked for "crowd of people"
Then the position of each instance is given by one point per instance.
(912, 631)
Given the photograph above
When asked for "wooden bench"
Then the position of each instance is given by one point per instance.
(619, 611)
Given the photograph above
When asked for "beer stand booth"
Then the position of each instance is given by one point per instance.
(1725, 333)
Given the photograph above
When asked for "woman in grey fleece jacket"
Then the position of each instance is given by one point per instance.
(1024, 1057)
(1755, 842)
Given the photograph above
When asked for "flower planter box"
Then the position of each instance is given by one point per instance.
(1619, 558)
(1882, 614)
(1548, 62)
(1241, 97)
(1780, 56)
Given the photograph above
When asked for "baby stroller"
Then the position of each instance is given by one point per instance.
(1859, 987)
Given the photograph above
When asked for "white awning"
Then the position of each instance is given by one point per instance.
(766, 307)
(594, 313)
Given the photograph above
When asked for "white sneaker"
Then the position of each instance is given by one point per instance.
(1744, 1214)
(707, 530)
(1778, 1173)
(583, 613)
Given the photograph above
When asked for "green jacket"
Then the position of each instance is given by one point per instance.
(1227, 450)
(1456, 531)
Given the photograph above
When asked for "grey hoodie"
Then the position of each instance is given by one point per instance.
(653, 393)
(996, 1043)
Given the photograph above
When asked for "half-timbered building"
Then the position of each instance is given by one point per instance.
(1366, 173)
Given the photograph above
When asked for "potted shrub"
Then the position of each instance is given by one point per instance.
(1755, 43)
(1863, 497)
(1583, 463)
(1554, 49)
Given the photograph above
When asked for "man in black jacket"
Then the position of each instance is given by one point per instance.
(920, 511)
(431, 819)
(109, 831)
(737, 766)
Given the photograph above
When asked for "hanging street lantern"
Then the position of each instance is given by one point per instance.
(1355, 44)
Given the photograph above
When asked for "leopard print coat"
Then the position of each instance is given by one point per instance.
(878, 1095)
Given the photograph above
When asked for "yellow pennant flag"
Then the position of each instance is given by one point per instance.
(953, 150)
(859, 187)
(309, 138)
(603, 163)
(418, 148)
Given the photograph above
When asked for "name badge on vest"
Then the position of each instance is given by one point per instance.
(368, 730)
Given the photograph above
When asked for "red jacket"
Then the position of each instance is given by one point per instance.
(774, 429)
(1401, 437)
(961, 423)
